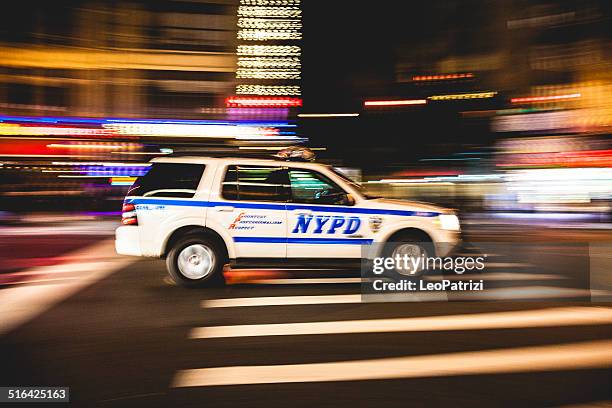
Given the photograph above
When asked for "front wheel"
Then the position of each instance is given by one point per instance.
(414, 251)
(196, 261)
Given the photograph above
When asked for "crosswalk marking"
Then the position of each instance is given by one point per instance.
(58, 269)
(21, 303)
(564, 316)
(281, 300)
(552, 357)
(510, 293)
(524, 292)
(506, 265)
(499, 276)
(570, 356)
(76, 228)
(39, 281)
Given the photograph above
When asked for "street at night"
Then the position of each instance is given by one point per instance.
(270, 203)
(129, 337)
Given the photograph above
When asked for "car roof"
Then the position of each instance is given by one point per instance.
(235, 161)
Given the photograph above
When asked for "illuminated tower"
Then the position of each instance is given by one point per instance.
(268, 72)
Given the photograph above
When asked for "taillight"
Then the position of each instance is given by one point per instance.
(128, 217)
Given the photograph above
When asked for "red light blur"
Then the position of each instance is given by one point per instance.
(262, 102)
(585, 158)
(535, 99)
(442, 77)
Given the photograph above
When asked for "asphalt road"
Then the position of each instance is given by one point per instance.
(130, 338)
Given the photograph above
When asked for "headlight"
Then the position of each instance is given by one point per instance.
(449, 222)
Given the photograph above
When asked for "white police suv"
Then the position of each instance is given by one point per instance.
(200, 213)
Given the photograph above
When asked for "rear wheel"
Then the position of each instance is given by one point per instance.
(196, 261)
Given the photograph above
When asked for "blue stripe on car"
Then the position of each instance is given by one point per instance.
(274, 240)
(288, 206)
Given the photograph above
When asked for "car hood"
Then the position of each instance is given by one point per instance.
(391, 204)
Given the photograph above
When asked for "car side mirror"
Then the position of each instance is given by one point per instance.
(350, 200)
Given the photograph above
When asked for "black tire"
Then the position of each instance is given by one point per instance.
(212, 278)
(423, 243)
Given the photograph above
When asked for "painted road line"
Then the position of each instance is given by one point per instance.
(75, 228)
(571, 356)
(37, 281)
(20, 304)
(506, 265)
(60, 268)
(496, 276)
(565, 316)
(325, 299)
(523, 292)
(499, 276)
(50, 272)
(512, 293)
(282, 301)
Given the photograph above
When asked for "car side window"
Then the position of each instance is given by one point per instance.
(256, 183)
(168, 180)
(311, 187)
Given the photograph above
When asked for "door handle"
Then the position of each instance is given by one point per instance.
(224, 208)
(355, 236)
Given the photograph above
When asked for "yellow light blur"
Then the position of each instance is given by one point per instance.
(270, 24)
(260, 11)
(473, 95)
(265, 35)
(268, 90)
(267, 74)
(270, 2)
(75, 58)
(267, 62)
(83, 146)
(271, 50)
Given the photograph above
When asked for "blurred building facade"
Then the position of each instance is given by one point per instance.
(118, 59)
(522, 51)
(269, 67)
(91, 90)
(530, 83)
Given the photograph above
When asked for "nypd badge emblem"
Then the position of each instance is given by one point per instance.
(375, 223)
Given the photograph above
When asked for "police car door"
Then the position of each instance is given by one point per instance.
(322, 222)
(252, 210)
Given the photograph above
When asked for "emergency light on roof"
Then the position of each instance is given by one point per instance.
(296, 153)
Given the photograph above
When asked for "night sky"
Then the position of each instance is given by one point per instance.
(349, 54)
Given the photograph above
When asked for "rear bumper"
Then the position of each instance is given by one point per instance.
(127, 240)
